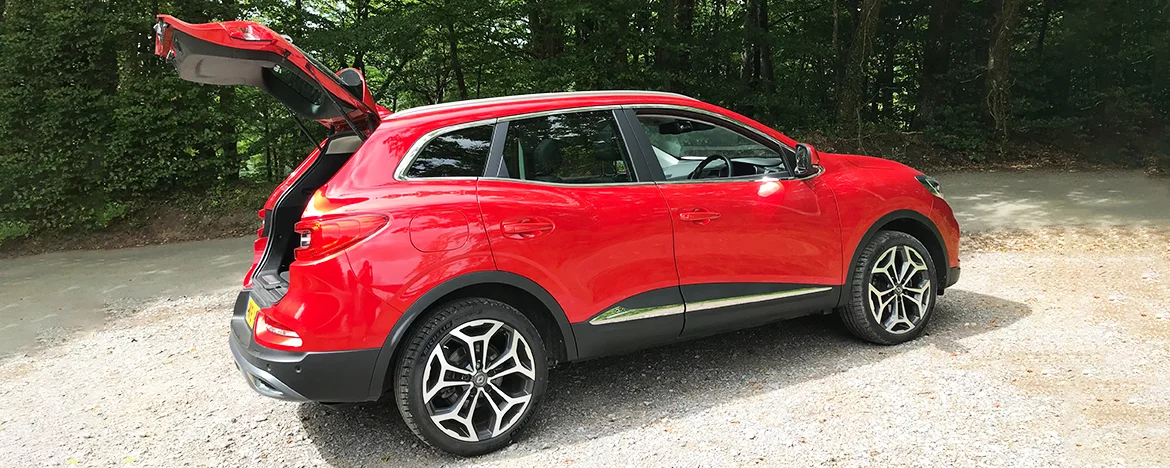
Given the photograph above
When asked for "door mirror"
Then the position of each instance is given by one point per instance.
(804, 163)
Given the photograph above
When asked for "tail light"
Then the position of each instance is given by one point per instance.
(321, 238)
(273, 332)
(260, 232)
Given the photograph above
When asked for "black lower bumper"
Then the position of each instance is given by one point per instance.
(326, 377)
(953, 276)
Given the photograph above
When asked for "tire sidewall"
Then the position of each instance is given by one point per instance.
(413, 367)
(881, 244)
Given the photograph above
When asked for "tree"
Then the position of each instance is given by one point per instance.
(997, 84)
(850, 102)
(936, 61)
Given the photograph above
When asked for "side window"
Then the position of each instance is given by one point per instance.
(569, 148)
(680, 144)
(461, 153)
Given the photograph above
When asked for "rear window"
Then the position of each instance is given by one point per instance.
(460, 153)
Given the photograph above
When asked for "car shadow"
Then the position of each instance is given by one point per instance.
(610, 395)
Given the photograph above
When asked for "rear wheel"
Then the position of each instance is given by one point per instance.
(893, 290)
(471, 376)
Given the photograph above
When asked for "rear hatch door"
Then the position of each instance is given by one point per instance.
(248, 53)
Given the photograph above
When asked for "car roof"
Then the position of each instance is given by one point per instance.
(507, 105)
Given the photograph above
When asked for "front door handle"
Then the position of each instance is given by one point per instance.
(526, 228)
(698, 216)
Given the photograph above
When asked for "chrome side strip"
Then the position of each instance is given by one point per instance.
(734, 301)
(617, 314)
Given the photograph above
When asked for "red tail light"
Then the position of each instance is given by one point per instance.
(321, 238)
(273, 332)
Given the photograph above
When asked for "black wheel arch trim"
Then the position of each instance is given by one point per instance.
(882, 222)
(430, 298)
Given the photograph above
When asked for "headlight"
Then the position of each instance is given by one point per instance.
(931, 184)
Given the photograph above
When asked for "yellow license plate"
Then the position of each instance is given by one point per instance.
(253, 311)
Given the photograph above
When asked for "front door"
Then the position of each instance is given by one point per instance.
(565, 207)
(751, 244)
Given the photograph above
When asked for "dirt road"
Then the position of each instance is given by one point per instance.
(1051, 350)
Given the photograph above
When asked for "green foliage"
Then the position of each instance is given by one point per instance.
(95, 127)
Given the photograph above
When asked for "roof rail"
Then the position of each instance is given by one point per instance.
(528, 97)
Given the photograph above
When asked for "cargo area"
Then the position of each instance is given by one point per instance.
(271, 276)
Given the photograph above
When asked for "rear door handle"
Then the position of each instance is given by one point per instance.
(526, 228)
(698, 215)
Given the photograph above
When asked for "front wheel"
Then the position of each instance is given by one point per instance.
(893, 290)
(471, 376)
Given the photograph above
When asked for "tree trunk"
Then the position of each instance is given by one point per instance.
(227, 133)
(853, 80)
(667, 41)
(836, 49)
(548, 34)
(936, 61)
(767, 71)
(1045, 18)
(750, 71)
(885, 85)
(996, 83)
(456, 67)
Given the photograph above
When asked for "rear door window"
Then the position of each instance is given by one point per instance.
(567, 148)
(459, 153)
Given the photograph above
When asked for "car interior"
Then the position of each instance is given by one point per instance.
(542, 150)
(272, 272)
(692, 149)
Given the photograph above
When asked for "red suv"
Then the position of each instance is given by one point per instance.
(450, 254)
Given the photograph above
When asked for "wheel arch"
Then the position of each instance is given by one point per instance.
(526, 295)
(910, 222)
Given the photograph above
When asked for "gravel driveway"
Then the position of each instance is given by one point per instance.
(1052, 350)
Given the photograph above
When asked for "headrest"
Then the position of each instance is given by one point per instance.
(547, 157)
(607, 148)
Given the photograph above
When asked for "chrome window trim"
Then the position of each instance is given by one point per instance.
(418, 145)
(618, 314)
(421, 142)
(741, 300)
(558, 184)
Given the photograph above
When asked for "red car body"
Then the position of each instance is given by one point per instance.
(379, 249)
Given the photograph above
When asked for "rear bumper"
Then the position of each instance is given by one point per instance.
(326, 377)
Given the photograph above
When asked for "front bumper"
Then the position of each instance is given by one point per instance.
(953, 276)
(326, 377)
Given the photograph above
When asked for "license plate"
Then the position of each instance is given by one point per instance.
(253, 311)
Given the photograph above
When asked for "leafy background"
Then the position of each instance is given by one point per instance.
(98, 134)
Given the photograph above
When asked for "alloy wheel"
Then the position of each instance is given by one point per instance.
(479, 380)
(899, 289)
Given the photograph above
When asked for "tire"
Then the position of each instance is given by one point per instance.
(436, 373)
(904, 305)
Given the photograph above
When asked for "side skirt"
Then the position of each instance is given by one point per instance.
(660, 317)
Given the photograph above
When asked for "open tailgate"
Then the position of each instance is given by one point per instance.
(247, 53)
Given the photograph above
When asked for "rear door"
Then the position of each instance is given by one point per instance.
(565, 206)
(247, 53)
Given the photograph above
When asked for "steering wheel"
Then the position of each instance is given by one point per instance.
(698, 172)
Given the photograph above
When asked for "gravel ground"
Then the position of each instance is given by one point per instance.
(1052, 350)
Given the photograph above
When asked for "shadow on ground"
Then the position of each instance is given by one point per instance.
(665, 382)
